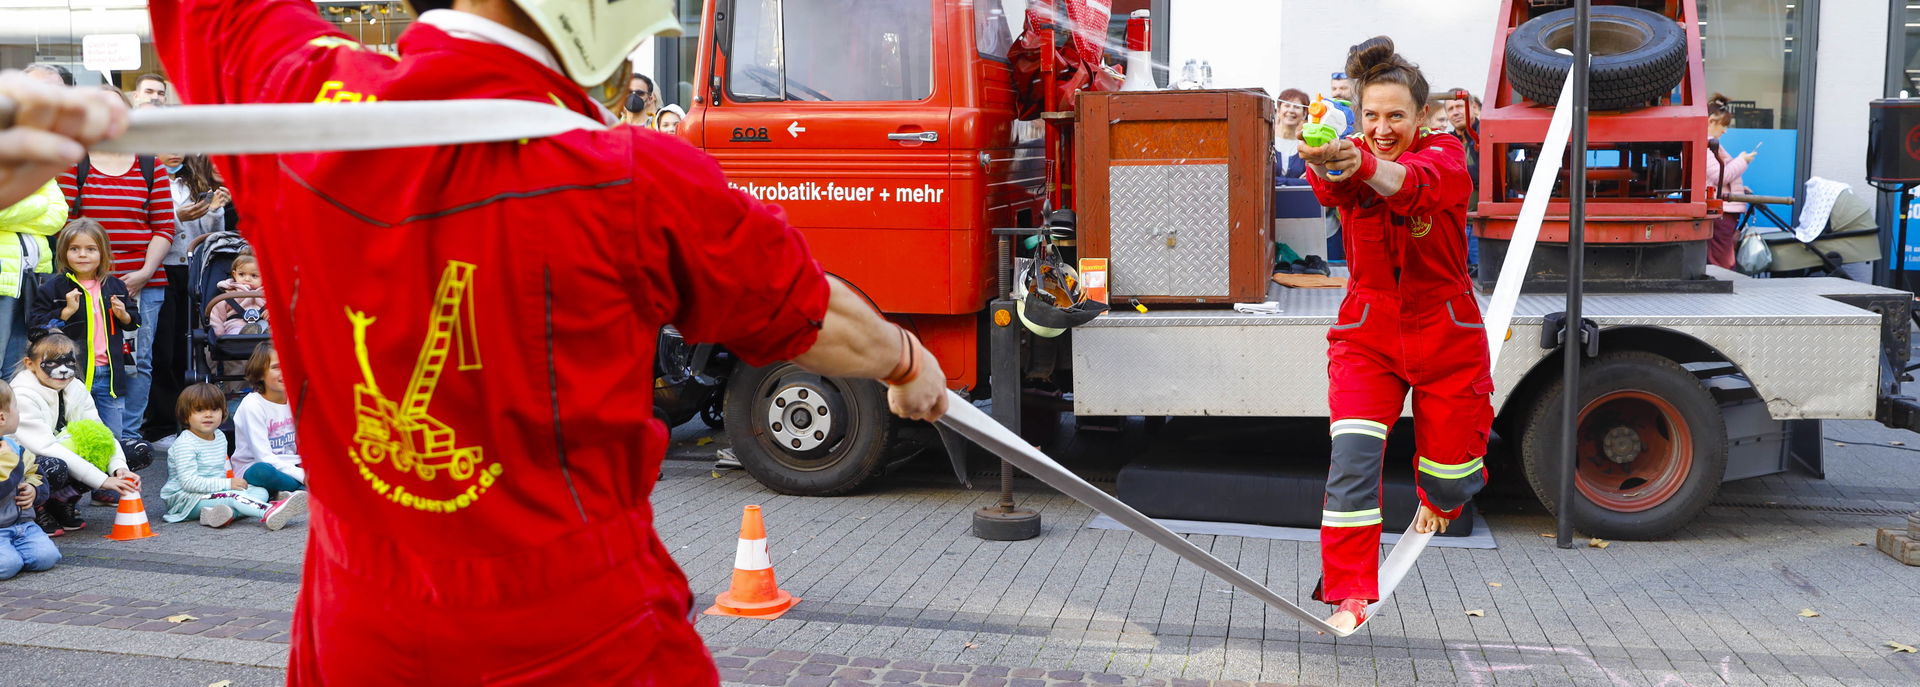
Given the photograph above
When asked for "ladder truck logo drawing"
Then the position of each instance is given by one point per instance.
(1419, 226)
(416, 448)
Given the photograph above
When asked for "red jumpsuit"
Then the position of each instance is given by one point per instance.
(1409, 322)
(467, 333)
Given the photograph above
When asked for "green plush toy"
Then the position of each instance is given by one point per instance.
(93, 441)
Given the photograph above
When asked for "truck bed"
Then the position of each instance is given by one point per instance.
(1807, 356)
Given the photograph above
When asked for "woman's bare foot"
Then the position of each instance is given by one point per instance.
(1351, 613)
(1428, 522)
(1343, 620)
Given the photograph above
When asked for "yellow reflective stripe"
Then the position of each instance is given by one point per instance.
(1350, 518)
(1445, 471)
(1357, 426)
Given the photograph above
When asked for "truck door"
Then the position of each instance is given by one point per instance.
(838, 111)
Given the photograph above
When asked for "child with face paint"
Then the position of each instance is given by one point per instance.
(48, 396)
(199, 484)
(91, 307)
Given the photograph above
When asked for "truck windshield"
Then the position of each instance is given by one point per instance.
(831, 50)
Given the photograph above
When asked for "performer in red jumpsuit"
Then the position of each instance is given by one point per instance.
(467, 335)
(1409, 322)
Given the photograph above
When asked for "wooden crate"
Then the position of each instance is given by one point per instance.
(1175, 189)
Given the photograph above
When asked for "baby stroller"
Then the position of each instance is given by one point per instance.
(209, 261)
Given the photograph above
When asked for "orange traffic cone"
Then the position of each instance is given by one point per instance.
(754, 593)
(130, 522)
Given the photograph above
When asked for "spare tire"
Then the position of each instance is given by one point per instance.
(1638, 56)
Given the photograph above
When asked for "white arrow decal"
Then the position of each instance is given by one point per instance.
(794, 129)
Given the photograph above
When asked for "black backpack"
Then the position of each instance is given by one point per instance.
(146, 163)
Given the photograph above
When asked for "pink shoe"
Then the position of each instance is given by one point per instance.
(285, 510)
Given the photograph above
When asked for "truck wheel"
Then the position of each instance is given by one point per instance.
(801, 433)
(1652, 447)
(1638, 56)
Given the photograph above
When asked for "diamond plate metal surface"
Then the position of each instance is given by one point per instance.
(1151, 201)
(1807, 356)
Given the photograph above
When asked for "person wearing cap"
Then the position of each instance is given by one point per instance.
(1340, 89)
(1463, 111)
(476, 405)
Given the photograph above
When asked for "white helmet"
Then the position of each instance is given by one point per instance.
(592, 38)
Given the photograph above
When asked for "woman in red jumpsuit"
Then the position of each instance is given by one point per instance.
(1409, 322)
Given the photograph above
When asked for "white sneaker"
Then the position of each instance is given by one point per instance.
(285, 510)
(724, 459)
(217, 515)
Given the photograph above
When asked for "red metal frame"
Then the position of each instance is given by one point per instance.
(1509, 119)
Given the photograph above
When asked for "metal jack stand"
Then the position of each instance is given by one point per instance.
(1004, 521)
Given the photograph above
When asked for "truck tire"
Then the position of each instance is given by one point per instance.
(1638, 56)
(1652, 447)
(801, 433)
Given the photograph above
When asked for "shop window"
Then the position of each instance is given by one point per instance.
(831, 50)
(1754, 51)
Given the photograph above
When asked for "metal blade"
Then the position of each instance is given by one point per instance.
(962, 417)
(310, 127)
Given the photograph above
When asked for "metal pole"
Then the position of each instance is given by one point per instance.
(1574, 348)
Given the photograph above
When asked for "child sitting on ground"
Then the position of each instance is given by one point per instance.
(267, 455)
(49, 396)
(247, 315)
(198, 482)
(23, 544)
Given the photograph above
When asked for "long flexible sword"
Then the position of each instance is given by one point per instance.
(310, 127)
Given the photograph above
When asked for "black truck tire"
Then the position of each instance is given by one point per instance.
(1652, 446)
(801, 433)
(1638, 57)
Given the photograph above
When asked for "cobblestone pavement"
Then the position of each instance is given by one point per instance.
(897, 592)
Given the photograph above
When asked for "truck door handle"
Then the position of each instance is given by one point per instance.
(923, 136)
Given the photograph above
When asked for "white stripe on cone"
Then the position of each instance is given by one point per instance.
(138, 518)
(751, 554)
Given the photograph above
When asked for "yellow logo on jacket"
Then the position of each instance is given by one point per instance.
(1419, 226)
(398, 438)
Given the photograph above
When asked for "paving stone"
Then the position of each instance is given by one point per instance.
(869, 662)
(830, 659)
(943, 678)
(900, 676)
(121, 623)
(854, 673)
(986, 681)
(87, 620)
(761, 677)
(810, 681)
(751, 652)
(255, 634)
(774, 665)
(54, 618)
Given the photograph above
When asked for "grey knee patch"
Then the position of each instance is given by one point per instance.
(1353, 483)
(1448, 494)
